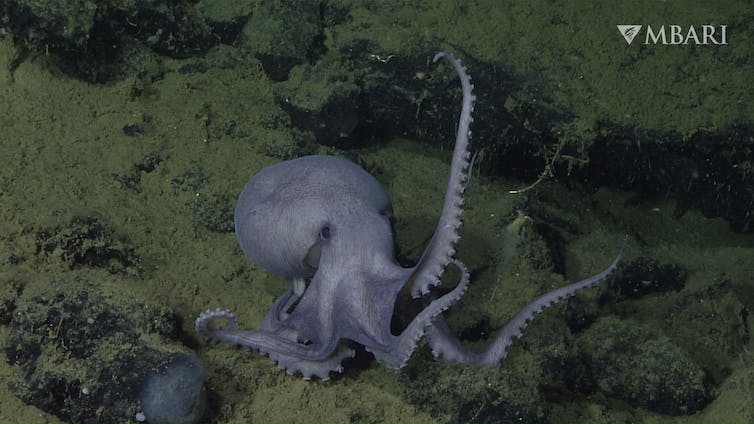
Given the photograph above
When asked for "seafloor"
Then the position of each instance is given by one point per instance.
(126, 186)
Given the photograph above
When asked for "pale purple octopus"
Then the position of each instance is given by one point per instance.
(325, 219)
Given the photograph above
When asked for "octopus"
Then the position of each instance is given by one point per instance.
(325, 223)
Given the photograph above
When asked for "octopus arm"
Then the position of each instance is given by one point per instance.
(440, 250)
(446, 345)
(397, 353)
(308, 359)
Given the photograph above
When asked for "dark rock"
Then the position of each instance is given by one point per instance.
(710, 170)
(70, 33)
(712, 325)
(225, 18)
(630, 362)
(642, 276)
(321, 100)
(170, 28)
(468, 393)
(88, 39)
(66, 25)
(84, 355)
(283, 34)
(403, 93)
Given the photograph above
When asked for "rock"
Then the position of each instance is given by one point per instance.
(469, 393)
(175, 393)
(85, 355)
(320, 99)
(87, 38)
(283, 34)
(632, 363)
(225, 18)
(642, 276)
(712, 325)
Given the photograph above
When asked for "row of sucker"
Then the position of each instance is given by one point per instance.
(405, 344)
(264, 341)
(316, 367)
(446, 345)
(205, 319)
(514, 328)
(440, 250)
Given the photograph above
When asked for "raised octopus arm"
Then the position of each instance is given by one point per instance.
(440, 250)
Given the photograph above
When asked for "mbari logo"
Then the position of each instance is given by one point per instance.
(676, 34)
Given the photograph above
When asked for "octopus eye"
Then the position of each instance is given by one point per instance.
(325, 233)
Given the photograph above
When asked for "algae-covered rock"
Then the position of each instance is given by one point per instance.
(283, 34)
(84, 356)
(87, 38)
(226, 18)
(320, 99)
(712, 325)
(646, 370)
(733, 403)
(470, 393)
